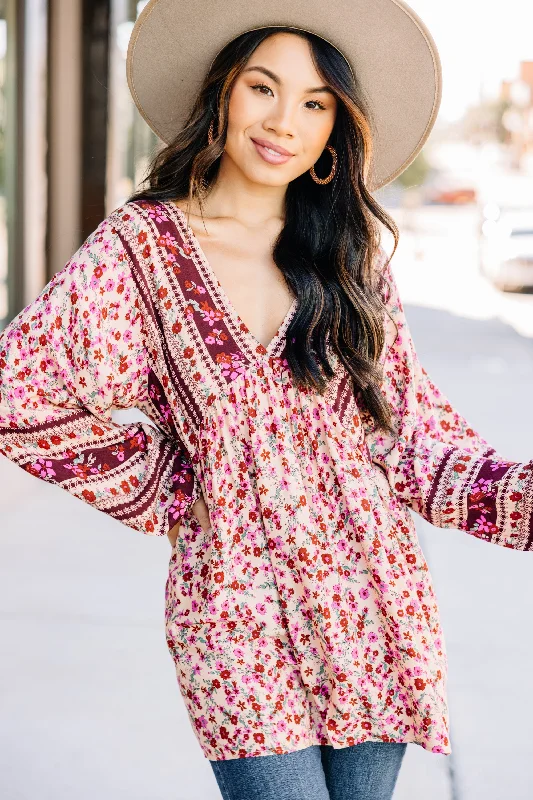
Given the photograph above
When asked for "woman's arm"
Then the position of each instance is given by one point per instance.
(66, 361)
(436, 462)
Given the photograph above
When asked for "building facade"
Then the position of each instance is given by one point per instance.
(72, 145)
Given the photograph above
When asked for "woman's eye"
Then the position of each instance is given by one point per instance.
(320, 105)
(262, 86)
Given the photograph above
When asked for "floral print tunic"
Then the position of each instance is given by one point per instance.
(305, 614)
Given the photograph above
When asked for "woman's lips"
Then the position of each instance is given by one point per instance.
(269, 155)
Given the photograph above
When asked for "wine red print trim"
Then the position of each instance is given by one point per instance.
(243, 333)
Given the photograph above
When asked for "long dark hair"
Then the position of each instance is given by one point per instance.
(331, 237)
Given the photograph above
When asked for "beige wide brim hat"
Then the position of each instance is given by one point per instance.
(388, 47)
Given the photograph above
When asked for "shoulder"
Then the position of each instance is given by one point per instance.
(126, 218)
(103, 262)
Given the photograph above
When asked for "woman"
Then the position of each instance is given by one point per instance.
(243, 302)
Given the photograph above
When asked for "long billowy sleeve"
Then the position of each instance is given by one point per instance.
(436, 462)
(70, 357)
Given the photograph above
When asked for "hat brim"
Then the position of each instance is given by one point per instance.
(389, 48)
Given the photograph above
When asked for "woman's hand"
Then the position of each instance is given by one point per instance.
(201, 512)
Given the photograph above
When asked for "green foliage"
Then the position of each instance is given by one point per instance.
(416, 172)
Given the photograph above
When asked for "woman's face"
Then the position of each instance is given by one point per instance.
(279, 99)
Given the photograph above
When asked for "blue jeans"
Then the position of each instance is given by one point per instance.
(366, 771)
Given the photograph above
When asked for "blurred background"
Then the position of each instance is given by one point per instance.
(90, 704)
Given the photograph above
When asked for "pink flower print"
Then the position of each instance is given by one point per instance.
(179, 505)
(157, 214)
(167, 241)
(261, 608)
(364, 593)
(137, 440)
(165, 411)
(42, 468)
(79, 470)
(483, 525)
(210, 314)
(194, 287)
(189, 312)
(482, 485)
(496, 465)
(232, 365)
(217, 336)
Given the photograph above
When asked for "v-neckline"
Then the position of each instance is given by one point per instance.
(257, 347)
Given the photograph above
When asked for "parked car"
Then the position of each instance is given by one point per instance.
(506, 247)
(450, 189)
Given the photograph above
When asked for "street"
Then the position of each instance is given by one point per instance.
(90, 702)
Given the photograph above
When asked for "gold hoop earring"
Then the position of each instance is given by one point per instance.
(333, 167)
(210, 136)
